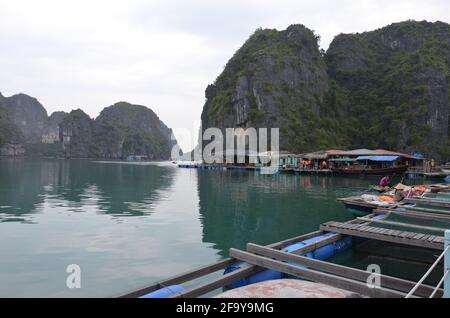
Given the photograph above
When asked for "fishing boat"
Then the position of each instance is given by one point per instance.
(358, 170)
(360, 206)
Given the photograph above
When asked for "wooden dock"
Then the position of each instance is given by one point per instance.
(258, 258)
(386, 235)
(376, 226)
(313, 171)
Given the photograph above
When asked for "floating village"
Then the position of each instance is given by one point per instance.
(405, 213)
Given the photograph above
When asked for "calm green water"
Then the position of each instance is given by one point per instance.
(129, 224)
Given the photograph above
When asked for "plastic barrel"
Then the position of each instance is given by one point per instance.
(165, 292)
(323, 253)
(262, 276)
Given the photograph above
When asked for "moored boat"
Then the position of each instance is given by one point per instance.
(371, 171)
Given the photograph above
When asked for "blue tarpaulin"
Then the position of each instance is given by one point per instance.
(378, 158)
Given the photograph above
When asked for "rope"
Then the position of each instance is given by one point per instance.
(440, 283)
(420, 282)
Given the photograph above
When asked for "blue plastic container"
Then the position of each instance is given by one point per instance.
(165, 292)
(323, 253)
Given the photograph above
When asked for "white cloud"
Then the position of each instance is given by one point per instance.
(162, 54)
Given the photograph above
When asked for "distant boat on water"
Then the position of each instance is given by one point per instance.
(137, 158)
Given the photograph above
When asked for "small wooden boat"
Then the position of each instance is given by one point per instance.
(371, 171)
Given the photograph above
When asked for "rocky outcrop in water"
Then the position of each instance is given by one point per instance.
(387, 88)
(28, 115)
(119, 131)
(391, 87)
(75, 134)
(10, 135)
(276, 79)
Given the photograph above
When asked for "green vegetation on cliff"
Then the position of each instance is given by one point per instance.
(388, 88)
(120, 130)
(9, 132)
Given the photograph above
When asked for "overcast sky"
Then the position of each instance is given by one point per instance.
(162, 53)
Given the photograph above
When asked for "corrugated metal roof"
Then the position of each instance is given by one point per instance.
(342, 160)
(378, 158)
(369, 152)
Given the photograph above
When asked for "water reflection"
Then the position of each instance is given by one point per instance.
(79, 185)
(240, 207)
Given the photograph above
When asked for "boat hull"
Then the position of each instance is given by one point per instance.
(381, 171)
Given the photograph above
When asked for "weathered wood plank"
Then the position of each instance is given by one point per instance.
(382, 237)
(208, 269)
(312, 247)
(224, 280)
(413, 214)
(181, 278)
(401, 224)
(316, 276)
(348, 272)
(430, 202)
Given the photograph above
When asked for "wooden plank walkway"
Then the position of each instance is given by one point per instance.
(386, 235)
(340, 270)
(430, 202)
(418, 214)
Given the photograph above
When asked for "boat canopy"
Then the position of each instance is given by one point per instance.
(343, 160)
(378, 158)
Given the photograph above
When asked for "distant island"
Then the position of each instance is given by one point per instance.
(387, 89)
(119, 131)
(384, 89)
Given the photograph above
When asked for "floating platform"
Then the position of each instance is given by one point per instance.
(427, 175)
(313, 171)
(268, 270)
(387, 235)
(360, 207)
(220, 168)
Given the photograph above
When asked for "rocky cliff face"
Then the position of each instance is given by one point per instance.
(383, 89)
(11, 138)
(75, 134)
(276, 79)
(125, 129)
(119, 131)
(51, 131)
(28, 115)
(391, 87)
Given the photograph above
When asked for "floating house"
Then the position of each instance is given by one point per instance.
(313, 160)
(366, 161)
(283, 160)
(360, 161)
(137, 158)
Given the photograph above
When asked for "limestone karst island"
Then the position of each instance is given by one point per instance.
(155, 151)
